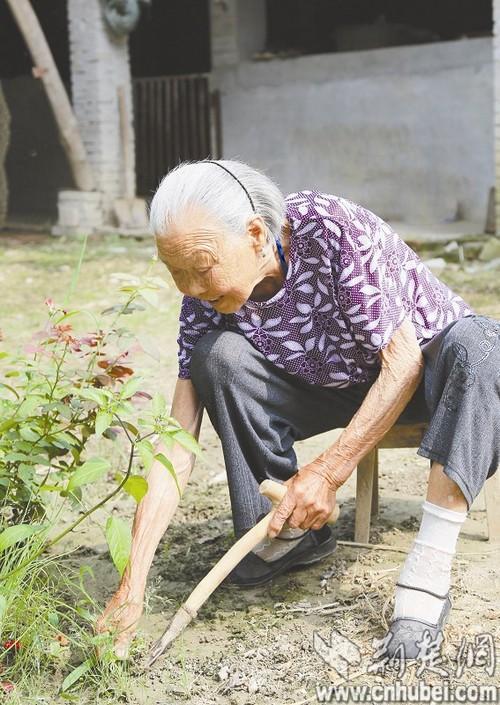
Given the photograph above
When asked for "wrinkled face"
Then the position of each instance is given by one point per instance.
(209, 263)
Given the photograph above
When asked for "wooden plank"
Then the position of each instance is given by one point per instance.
(492, 498)
(203, 118)
(137, 133)
(404, 436)
(174, 108)
(150, 131)
(375, 485)
(159, 137)
(216, 120)
(167, 112)
(364, 495)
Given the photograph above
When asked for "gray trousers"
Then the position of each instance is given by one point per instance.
(259, 411)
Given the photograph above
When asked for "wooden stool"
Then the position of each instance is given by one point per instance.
(408, 436)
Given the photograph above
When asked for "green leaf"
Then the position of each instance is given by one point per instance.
(6, 425)
(103, 421)
(124, 407)
(67, 315)
(28, 434)
(75, 497)
(167, 464)
(123, 309)
(130, 387)
(131, 428)
(159, 404)
(145, 453)
(92, 394)
(136, 486)
(187, 440)
(167, 440)
(151, 296)
(3, 606)
(11, 389)
(119, 540)
(76, 674)
(29, 405)
(50, 488)
(13, 534)
(89, 472)
(53, 619)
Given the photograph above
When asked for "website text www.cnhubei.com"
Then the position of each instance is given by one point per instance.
(398, 692)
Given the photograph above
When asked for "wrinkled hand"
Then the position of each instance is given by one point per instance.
(120, 618)
(308, 502)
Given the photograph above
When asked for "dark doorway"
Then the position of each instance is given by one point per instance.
(36, 165)
(172, 38)
(176, 113)
(318, 26)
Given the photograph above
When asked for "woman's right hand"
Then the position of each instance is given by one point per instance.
(151, 520)
(120, 618)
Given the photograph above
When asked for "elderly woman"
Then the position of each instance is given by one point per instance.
(303, 314)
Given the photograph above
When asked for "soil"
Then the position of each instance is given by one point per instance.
(253, 647)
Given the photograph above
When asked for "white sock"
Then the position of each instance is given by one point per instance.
(428, 565)
(272, 549)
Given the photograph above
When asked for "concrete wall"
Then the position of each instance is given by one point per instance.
(407, 131)
(99, 64)
(237, 30)
(496, 63)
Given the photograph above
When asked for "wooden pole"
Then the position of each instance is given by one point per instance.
(46, 69)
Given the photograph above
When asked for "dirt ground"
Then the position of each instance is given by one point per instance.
(253, 647)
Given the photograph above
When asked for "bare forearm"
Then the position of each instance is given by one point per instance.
(158, 506)
(400, 375)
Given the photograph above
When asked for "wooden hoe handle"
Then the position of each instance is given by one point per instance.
(187, 611)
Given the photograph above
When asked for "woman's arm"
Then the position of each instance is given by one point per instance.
(152, 517)
(311, 494)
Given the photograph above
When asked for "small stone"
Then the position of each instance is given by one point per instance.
(223, 673)
(252, 685)
(437, 264)
(491, 250)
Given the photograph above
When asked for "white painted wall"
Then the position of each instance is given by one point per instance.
(406, 131)
(99, 64)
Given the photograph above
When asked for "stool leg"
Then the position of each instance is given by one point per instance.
(364, 497)
(492, 499)
(375, 485)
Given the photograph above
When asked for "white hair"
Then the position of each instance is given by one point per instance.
(206, 184)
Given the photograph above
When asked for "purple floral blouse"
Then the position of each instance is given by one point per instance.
(351, 280)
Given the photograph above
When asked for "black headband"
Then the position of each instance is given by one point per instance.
(208, 161)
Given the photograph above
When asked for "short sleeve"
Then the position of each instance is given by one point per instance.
(196, 318)
(369, 278)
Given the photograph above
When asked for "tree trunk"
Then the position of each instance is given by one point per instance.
(46, 69)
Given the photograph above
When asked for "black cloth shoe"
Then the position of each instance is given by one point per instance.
(252, 570)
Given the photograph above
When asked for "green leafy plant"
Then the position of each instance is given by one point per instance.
(61, 401)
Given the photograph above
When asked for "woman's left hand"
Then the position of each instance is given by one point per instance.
(308, 502)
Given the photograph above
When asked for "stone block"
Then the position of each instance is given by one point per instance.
(79, 212)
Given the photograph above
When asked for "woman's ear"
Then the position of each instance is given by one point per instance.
(257, 232)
